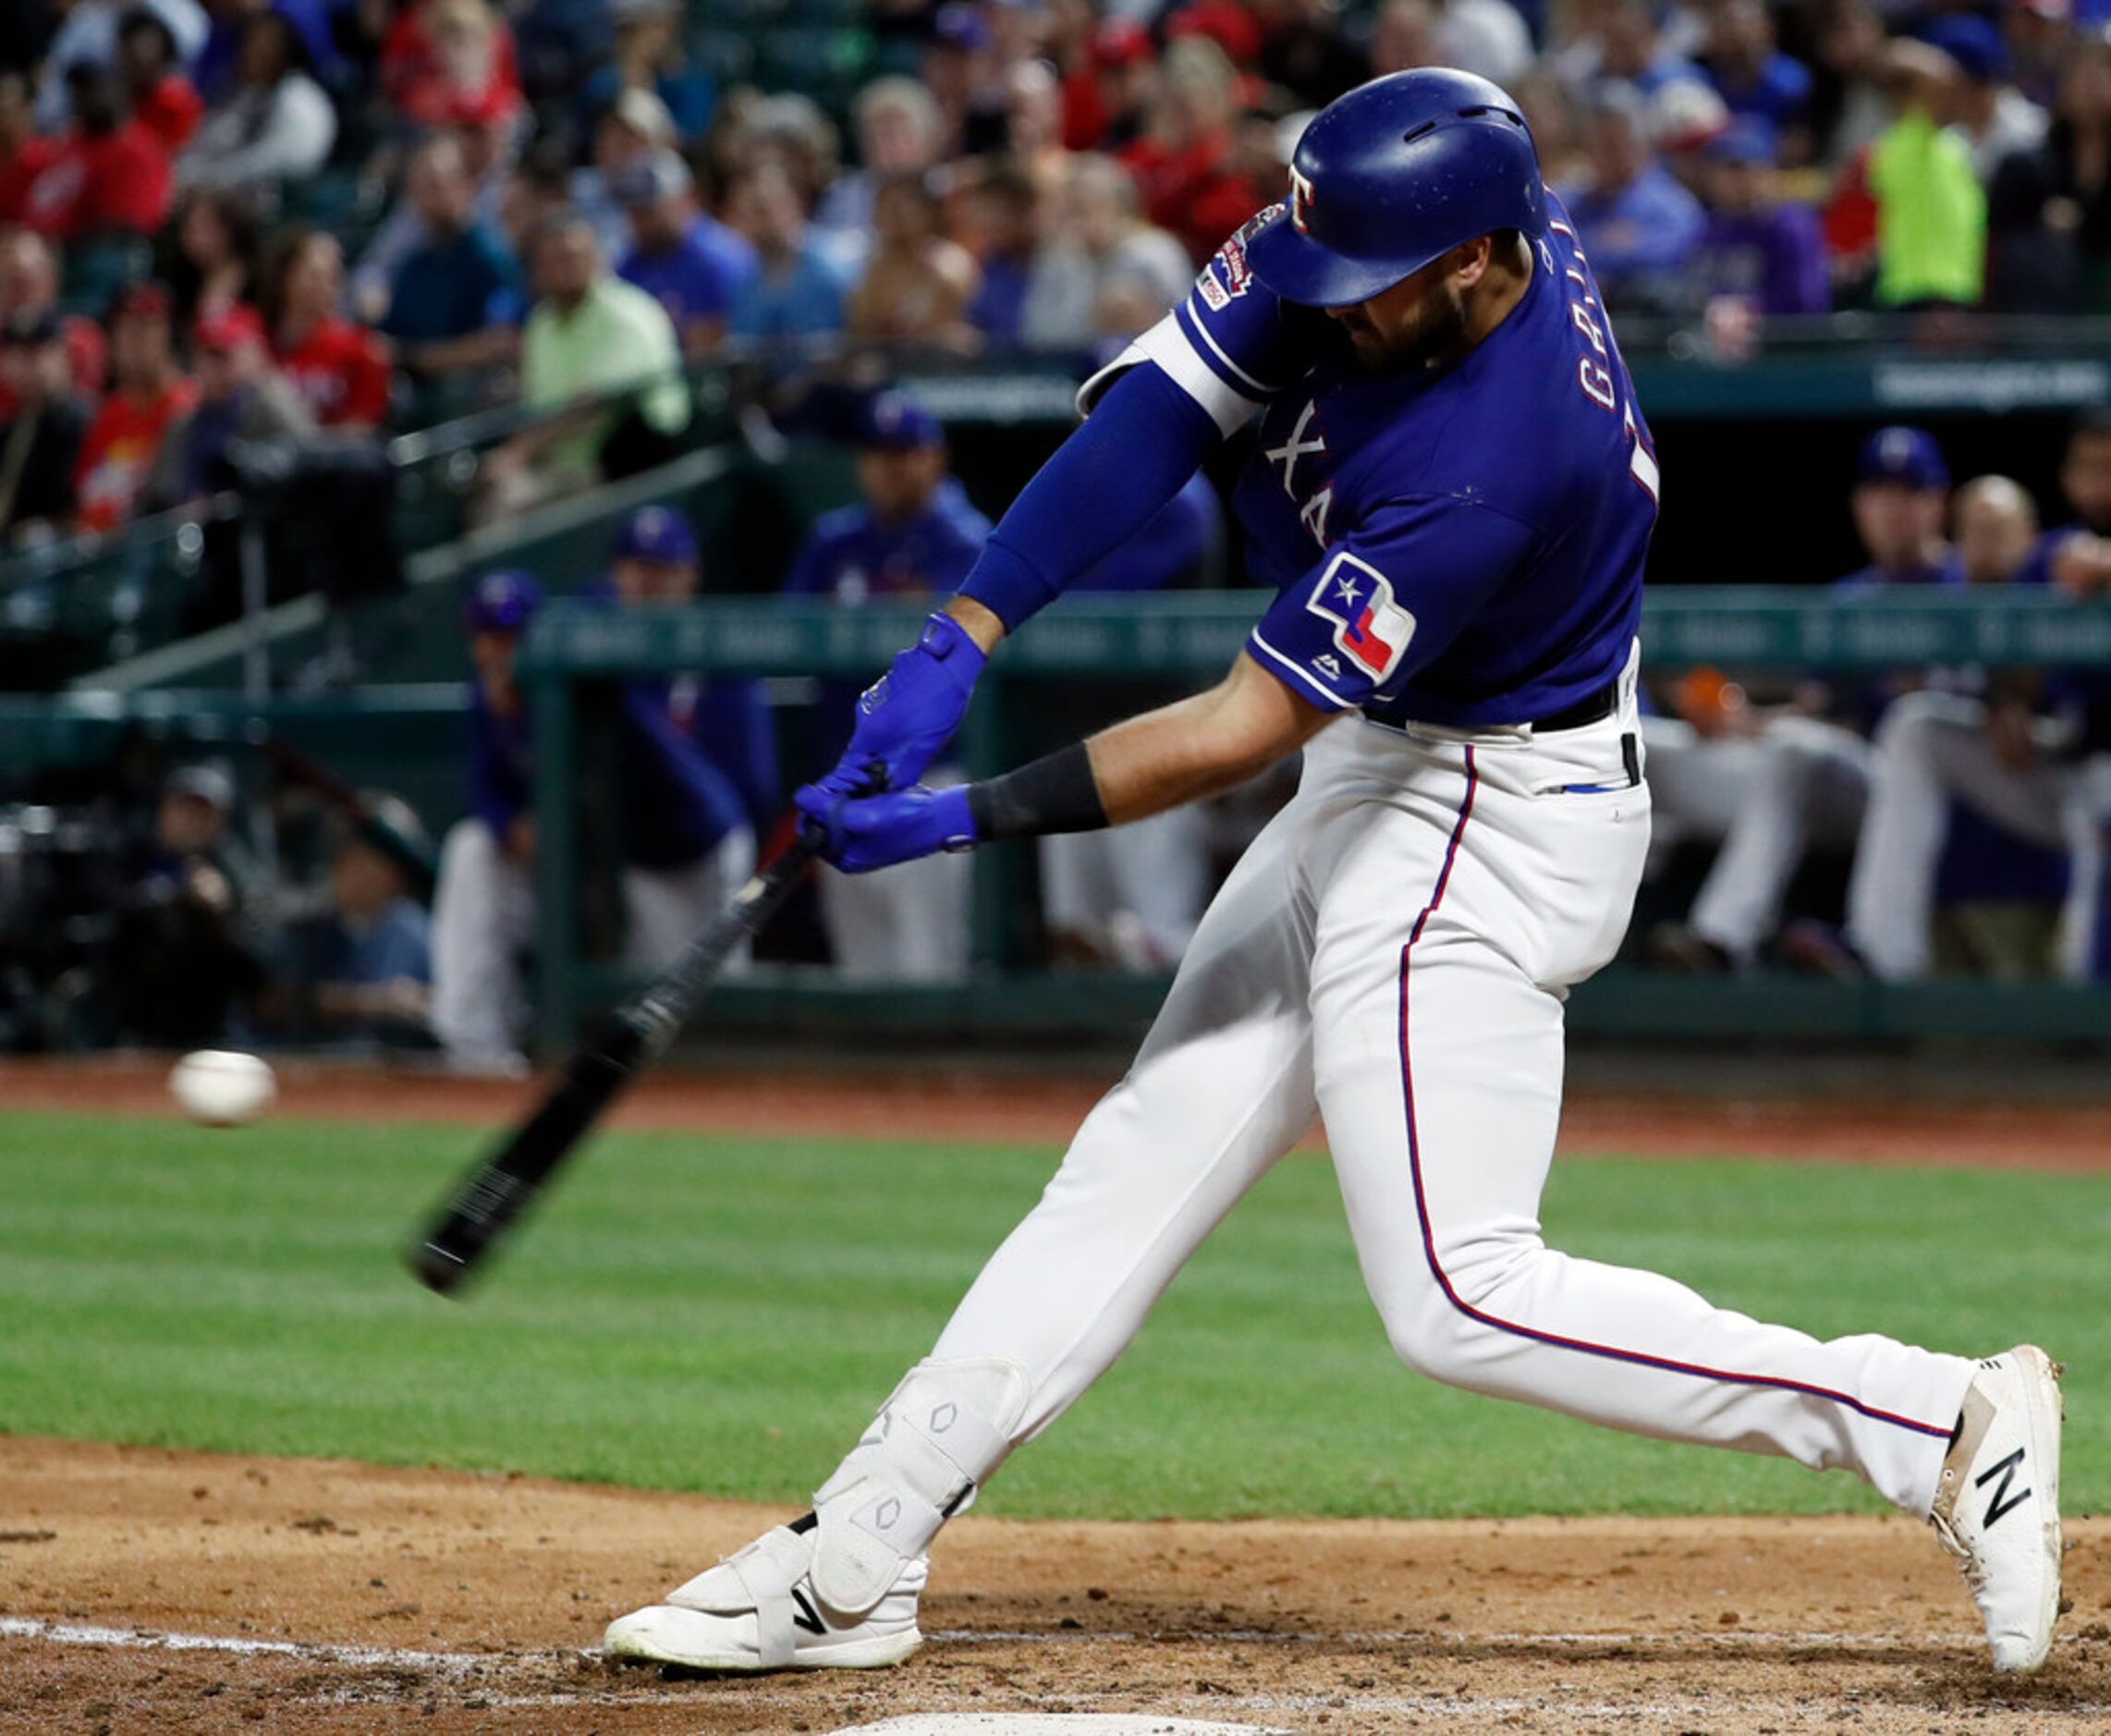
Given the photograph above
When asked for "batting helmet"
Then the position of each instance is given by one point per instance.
(1392, 175)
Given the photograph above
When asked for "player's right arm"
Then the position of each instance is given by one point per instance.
(1152, 416)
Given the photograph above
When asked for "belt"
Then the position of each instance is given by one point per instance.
(1599, 704)
(1595, 706)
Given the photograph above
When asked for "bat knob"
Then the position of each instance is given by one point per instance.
(437, 1268)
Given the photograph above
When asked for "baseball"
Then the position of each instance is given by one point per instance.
(222, 1087)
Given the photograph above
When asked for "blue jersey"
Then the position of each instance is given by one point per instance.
(698, 277)
(1460, 545)
(853, 556)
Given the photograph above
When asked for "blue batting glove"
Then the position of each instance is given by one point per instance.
(910, 712)
(878, 831)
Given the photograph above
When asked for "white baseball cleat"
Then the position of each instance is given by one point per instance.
(757, 1610)
(1997, 1505)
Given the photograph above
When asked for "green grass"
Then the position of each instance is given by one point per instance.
(724, 1315)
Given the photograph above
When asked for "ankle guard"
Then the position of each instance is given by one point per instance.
(940, 1434)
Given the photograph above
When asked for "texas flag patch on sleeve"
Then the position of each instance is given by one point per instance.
(1370, 629)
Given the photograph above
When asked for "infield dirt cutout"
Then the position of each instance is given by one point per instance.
(143, 1590)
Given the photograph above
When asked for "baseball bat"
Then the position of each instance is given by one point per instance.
(495, 1193)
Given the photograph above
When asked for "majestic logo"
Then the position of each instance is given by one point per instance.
(2003, 1502)
(1328, 665)
(1369, 626)
(1228, 276)
(1301, 201)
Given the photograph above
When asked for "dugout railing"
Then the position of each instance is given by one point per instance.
(575, 655)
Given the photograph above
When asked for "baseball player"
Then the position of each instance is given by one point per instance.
(695, 769)
(915, 533)
(1454, 490)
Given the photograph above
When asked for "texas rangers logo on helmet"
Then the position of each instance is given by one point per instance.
(1369, 626)
(1301, 201)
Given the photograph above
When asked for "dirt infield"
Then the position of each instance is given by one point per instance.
(937, 1105)
(153, 1591)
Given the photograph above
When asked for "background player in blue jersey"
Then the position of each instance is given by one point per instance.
(1455, 490)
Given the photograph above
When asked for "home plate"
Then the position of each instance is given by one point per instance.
(1052, 1724)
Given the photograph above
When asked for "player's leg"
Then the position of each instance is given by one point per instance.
(1439, 1059)
(1810, 780)
(858, 911)
(1220, 1087)
(483, 912)
(664, 908)
(933, 918)
(1930, 748)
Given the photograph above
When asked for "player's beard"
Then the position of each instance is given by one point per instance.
(1435, 329)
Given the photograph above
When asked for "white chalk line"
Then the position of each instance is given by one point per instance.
(396, 1658)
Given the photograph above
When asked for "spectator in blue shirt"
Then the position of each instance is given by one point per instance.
(686, 259)
(1758, 250)
(456, 302)
(1639, 226)
(799, 289)
(1631, 53)
(364, 966)
(913, 537)
(1010, 203)
(1755, 79)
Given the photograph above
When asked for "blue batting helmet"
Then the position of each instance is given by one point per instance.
(1393, 174)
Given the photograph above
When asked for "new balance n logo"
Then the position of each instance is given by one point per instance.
(809, 1618)
(2003, 1502)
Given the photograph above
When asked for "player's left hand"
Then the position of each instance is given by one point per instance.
(910, 713)
(878, 831)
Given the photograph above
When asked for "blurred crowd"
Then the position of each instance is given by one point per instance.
(225, 219)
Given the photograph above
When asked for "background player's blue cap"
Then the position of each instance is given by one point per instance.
(1393, 174)
(896, 422)
(1908, 456)
(502, 602)
(657, 534)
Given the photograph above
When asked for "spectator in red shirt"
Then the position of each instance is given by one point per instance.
(337, 367)
(29, 289)
(148, 397)
(108, 173)
(23, 154)
(163, 100)
(1180, 163)
(448, 62)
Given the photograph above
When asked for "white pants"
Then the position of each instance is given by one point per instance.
(1151, 874)
(1809, 785)
(1391, 957)
(908, 924)
(1933, 748)
(483, 918)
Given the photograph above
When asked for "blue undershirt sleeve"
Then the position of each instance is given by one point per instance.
(1144, 439)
